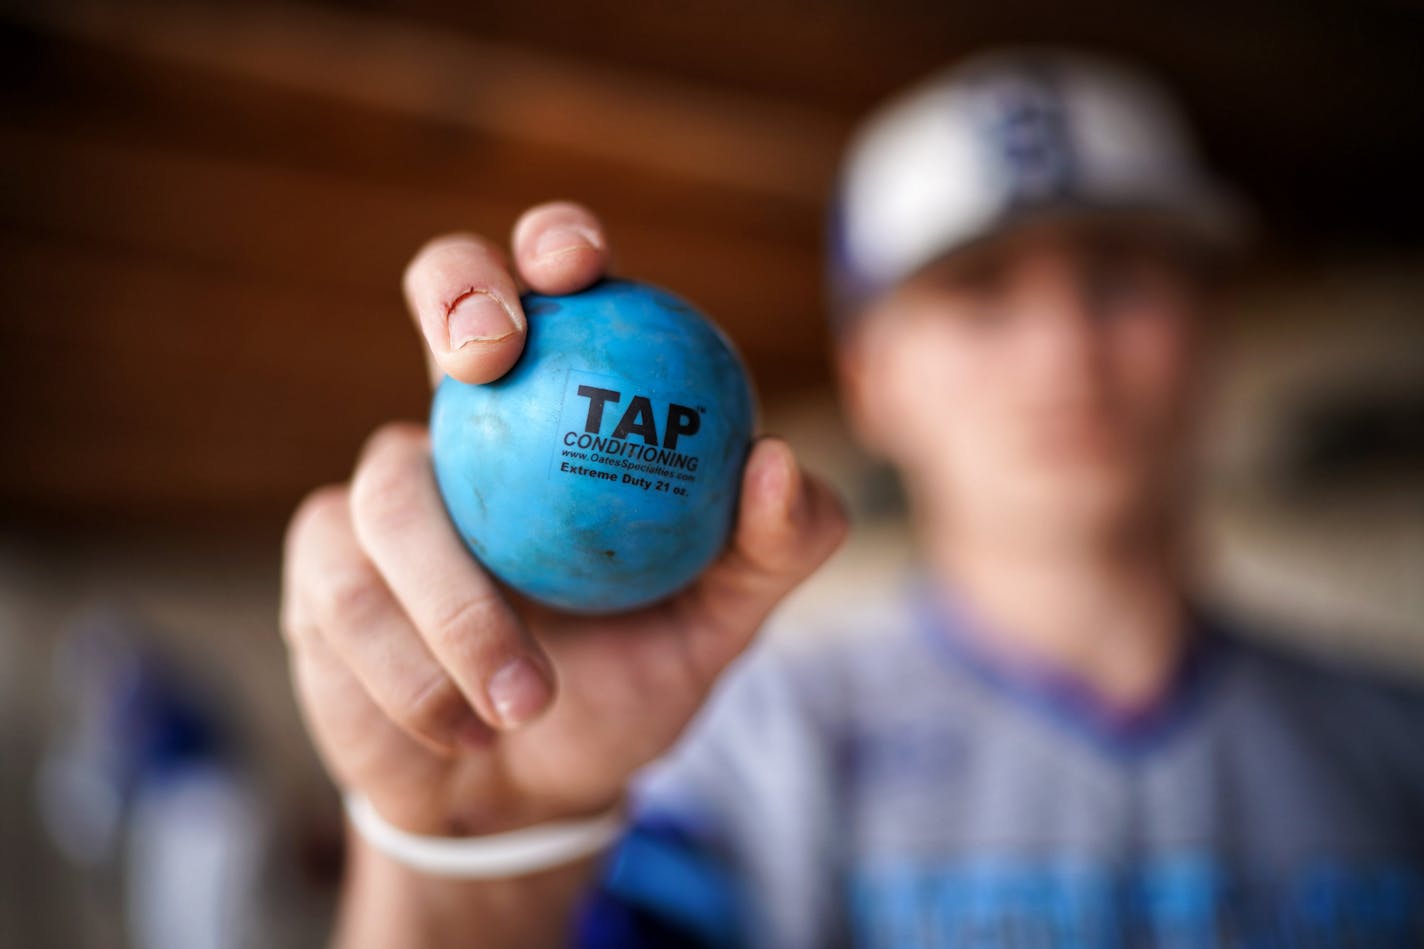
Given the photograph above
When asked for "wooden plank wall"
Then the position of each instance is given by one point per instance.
(206, 207)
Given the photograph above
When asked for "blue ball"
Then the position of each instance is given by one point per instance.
(602, 472)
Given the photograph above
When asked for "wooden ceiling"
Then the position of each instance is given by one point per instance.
(206, 207)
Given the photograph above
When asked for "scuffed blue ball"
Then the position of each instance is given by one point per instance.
(602, 472)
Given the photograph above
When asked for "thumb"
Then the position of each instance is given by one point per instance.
(788, 524)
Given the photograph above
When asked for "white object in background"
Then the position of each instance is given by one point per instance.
(193, 861)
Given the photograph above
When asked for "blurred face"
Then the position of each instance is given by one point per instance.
(1039, 385)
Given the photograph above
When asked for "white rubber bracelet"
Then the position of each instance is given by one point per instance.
(509, 854)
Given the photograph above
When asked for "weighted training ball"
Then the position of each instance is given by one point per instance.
(601, 473)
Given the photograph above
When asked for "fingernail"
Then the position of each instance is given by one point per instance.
(558, 241)
(479, 317)
(784, 481)
(519, 692)
(776, 473)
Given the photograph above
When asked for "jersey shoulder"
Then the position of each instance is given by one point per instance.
(1352, 684)
(1355, 710)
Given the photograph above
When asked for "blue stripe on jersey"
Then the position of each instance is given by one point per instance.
(1188, 900)
(663, 887)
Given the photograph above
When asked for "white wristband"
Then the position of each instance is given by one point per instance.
(509, 854)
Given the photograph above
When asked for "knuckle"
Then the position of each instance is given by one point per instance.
(778, 556)
(429, 707)
(672, 672)
(296, 633)
(322, 507)
(398, 439)
(322, 515)
(295, 624)
(480, 612)
(384, 491)
(350, 596)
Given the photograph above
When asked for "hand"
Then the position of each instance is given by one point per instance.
(454, 705)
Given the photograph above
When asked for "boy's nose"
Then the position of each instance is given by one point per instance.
(1062, 347)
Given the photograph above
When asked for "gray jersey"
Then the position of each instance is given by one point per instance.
(897, 787)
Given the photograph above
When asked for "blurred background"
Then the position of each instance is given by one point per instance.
(204, 214)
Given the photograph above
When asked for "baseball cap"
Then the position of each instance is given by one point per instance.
(1008, 137)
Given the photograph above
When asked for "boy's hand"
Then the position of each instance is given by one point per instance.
(453, 705)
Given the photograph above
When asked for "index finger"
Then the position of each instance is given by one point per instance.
(465, 300)
(466, 304)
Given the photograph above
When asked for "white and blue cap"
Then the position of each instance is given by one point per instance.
(1009, 137)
